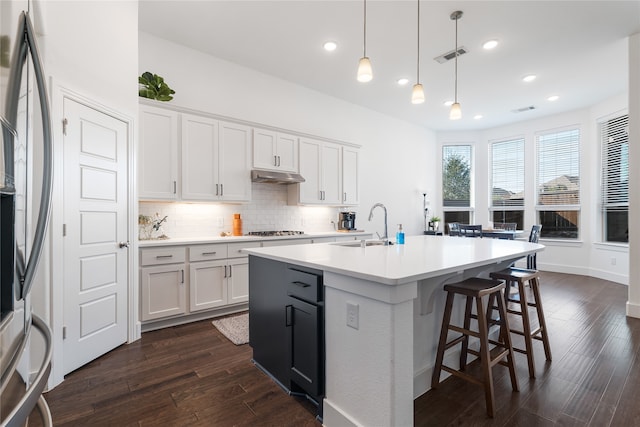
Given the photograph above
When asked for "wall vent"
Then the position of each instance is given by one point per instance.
(523, 109)
(450, 55)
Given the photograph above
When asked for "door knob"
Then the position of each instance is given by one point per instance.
(123, 244)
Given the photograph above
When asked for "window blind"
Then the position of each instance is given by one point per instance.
(507, 173)
(614, 137)
(558, 168)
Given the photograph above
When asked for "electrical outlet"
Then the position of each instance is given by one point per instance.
(352, 315)
(220, 222)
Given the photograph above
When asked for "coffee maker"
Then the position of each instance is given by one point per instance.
(346, 221)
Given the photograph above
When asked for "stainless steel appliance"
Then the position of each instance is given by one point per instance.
(347, 221)
(25, 154)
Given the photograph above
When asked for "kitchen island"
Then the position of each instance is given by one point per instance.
(381, 319)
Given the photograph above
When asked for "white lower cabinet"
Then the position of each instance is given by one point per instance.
(180, 280)
(162, 283)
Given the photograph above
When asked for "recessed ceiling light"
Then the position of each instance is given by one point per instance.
(553, 98)
(488, 45)
(529, 78)
(477, 116)
(403, 81)
(330, 46)
(448, 103)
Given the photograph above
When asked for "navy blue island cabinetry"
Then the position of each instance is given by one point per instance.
(286, 325)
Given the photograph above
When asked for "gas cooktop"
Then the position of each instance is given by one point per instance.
(275, 233)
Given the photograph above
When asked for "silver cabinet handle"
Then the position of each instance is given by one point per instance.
(225, 271)
(123, 245)
(163, 256)
(230, 271)
(344, 197)
(209, 253)
(275, 160)
(217, 192)
(175, 187)
(222, 189)
(278, 161)
(182, 276)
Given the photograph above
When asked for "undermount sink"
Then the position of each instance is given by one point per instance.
(362, 243)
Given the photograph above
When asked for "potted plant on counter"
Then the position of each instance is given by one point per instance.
(434, 223)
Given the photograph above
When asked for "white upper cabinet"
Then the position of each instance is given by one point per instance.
(350, 173)
(234, 162)
(275, 151)
(214, 162)
(158, 154)
(199, 158)
(320, 165)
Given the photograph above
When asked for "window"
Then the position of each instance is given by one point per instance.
(507, 181)
(558, 183)
(456, 183)
(614, 140)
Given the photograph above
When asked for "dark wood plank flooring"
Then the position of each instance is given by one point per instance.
(191, 375)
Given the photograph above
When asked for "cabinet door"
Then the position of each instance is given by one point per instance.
(331, 164)
(310, 153)
(350, 173)
(234, 161)
(163, 291)
(287, 152)
(207, 285)
(199, 158)
(158, 154)
(305, 358)
(264, 149)
(238, 280)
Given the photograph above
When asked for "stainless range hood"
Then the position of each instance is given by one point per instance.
(272, 177)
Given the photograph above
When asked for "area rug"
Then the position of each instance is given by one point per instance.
(235, 328)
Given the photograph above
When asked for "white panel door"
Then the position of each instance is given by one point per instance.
(199, 158)
(234, 162)
(95, 218)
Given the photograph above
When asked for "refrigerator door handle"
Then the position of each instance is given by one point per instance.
(26, 43)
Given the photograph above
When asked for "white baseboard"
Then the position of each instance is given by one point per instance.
(633, 310)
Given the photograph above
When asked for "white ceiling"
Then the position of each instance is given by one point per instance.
(578, 50)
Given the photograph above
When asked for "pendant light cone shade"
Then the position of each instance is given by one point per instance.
(455, 113)
(417, 96)
(365, 73)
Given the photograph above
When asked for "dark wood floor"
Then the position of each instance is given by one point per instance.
(192, 375)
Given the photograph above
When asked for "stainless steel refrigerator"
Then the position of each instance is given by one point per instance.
(25, 199)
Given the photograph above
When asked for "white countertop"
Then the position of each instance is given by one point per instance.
(234, 239)
(419, 258)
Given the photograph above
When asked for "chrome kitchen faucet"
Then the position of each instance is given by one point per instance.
(385, 237)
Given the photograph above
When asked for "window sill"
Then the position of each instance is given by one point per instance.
(616, 247)
(561, 242)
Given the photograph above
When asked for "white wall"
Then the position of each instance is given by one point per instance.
(633, 305)
(587, 255)
(398, 160)
(91, 48)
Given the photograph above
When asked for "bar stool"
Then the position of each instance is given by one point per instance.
(523, 276)
(475, 289)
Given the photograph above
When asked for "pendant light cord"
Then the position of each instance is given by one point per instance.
(365, 29)
(418, 73)
(456, 64)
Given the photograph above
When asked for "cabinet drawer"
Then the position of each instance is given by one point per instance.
(207, 252)
(157, 256)
(303, 285)
(234, 250)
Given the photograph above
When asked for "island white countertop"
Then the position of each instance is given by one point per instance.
(421, 257)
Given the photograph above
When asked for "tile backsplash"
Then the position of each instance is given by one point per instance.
(268, 210)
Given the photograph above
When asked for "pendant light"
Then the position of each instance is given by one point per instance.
(365, 73)
(417, 95)
(456, 113)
